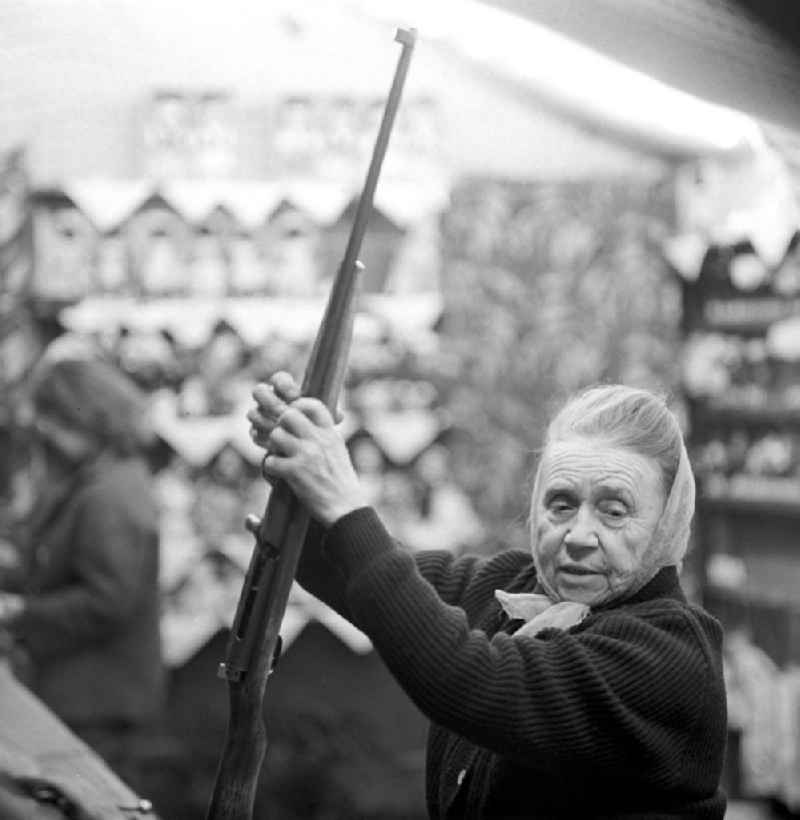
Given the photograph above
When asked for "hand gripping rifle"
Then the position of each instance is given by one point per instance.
(254, 643)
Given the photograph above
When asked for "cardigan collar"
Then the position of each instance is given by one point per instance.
(538, 613)
(664, 584)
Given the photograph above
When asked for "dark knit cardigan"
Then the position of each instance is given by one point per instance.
(621, 716)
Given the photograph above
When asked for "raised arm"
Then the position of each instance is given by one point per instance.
(616, 694)
(300, 437)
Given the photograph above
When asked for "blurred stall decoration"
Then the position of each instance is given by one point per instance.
(289, 240)
(379, 248)
(736, 255)
(209, 480)
(20, 345)
(112, 263)
(208, 269)
(745, 201)
(325, 136)
(198, 359)
(548, 287)
(196, 333)
(247, 266)
(220, 238)
(158, 245)
(447, 518)
(741, 369)
(189, 134)
(21, 339)
(764, 713)
(197, 283)
(222, 382)
(65, 241)
(16, 240)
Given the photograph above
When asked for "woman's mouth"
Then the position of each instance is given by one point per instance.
(575, 569)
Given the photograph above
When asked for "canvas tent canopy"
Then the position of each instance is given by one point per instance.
(49, 54)
(567, 103)
(744, 54)
(657, 78)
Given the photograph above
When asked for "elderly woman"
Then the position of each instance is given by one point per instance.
(575, 681)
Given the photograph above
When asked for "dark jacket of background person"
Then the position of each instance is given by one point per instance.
(88, 615)
(622, 715)
(91, 616)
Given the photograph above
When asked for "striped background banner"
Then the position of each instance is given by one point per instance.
(19, 343)
(16, 229)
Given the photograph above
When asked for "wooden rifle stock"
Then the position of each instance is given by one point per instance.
(254, 642)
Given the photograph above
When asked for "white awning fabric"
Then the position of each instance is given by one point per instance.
(109, 202)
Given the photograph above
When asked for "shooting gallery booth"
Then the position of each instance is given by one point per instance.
(183, 216)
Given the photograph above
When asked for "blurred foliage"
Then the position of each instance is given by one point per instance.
(548, 287)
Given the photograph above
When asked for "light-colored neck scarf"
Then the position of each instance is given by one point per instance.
(667, 547)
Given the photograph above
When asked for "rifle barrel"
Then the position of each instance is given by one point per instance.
(255, 640)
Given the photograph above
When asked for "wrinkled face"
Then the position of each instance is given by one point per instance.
(595, 514)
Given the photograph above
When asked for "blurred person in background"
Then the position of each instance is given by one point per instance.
(574, 680)
(85, 607)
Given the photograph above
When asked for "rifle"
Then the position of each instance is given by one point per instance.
(254, 643)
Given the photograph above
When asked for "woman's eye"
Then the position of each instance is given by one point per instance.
(613, 509)
(560, 506)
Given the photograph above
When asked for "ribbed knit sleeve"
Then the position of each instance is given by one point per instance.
(320, 576)
(630, 690)
(453, 578)
(464, 581)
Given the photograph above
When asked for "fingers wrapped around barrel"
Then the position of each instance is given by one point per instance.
(305, 449)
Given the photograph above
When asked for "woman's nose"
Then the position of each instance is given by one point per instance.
(582, 535)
